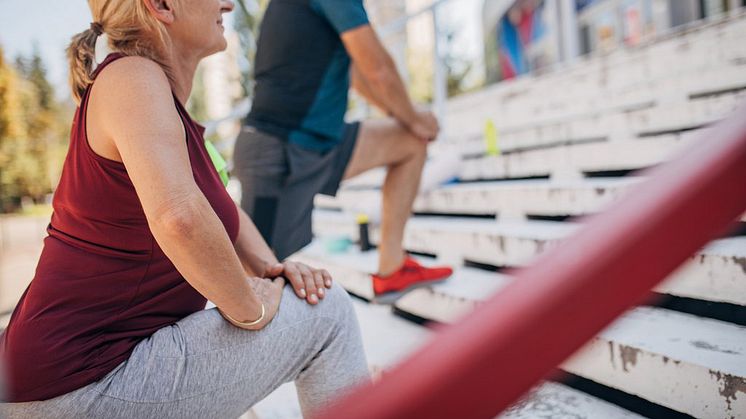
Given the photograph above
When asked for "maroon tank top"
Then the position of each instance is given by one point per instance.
(102, 283)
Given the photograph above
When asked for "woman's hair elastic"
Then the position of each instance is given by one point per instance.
(97, 28)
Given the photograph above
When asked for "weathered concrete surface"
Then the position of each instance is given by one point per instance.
(517, 198)
(670, 84)
(388, 339)
(690, 364)
(684, 362)
(716, 273)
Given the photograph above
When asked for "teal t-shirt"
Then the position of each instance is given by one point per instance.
(302, 70)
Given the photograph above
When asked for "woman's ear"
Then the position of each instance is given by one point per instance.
(162, 10)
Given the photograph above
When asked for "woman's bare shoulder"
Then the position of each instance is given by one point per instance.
(134, 76)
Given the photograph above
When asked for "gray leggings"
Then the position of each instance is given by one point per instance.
(203, 367)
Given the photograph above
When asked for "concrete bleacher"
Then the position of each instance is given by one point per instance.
(569, 140)
(387, 339)
(673, 359)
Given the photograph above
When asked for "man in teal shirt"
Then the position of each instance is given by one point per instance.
(295, 142)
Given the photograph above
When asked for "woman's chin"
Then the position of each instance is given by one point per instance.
(220, 47)
(223, 45)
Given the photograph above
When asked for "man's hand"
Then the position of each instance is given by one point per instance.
(425, 126)
(309, 283)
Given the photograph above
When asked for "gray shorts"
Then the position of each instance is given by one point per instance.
(279, 181)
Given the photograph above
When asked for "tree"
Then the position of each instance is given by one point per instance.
(31, 131)
(12, 132)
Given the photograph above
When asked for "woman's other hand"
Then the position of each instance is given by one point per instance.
(307, 282)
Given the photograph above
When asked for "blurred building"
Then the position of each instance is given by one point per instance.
(522, 36)
(384, 15)
(221, 80)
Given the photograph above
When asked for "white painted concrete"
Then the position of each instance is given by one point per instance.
(716, 273)
(388, 339)
(512, 198)
(575, 159)
(553, 400)
(687, 363)
(652, 85)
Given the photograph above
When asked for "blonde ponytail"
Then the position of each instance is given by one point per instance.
(130, 30)
(81, 56)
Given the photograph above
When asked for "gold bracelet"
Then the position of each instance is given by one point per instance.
(244, 324)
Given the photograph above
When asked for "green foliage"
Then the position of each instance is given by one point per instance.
(32, 132)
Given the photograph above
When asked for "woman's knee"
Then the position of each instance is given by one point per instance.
(337, 303)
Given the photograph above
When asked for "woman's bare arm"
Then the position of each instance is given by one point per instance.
(139, 116)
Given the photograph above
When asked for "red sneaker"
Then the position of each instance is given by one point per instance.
(411, 275)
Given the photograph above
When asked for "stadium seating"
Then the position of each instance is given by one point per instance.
(572, 141)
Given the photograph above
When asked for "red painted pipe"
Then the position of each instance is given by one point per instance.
(491, 357)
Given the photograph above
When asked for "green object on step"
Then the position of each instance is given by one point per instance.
(490, 139)
(337, 244)
(218, 161)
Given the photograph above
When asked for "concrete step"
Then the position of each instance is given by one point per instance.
(513, 198)
(612, 125)
(352, 268)
(683, 362)
(572, 161)
(686, 363)
(388, 339)
(562, 161)
(701, 97)
(716, 273)
(554, 400)
(571, 196)
(673, 71)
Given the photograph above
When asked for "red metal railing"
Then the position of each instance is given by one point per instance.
(484, 363)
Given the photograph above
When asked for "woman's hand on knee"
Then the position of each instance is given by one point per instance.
(269, 292)
(307, 282)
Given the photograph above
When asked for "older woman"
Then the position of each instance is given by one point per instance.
(143, 233)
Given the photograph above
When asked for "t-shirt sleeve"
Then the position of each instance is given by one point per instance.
(342, 14)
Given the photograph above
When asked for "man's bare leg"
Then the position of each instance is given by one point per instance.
(385, 142)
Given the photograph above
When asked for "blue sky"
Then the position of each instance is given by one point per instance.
(50, 23)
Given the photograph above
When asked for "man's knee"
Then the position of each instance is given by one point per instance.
(411, 146)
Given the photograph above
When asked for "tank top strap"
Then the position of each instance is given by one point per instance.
(108, 60)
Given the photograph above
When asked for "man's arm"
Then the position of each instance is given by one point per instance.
(379, 80)
(361, 86)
